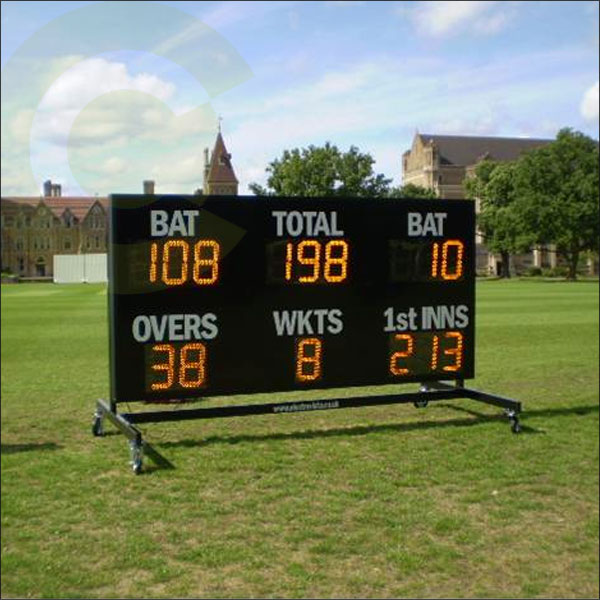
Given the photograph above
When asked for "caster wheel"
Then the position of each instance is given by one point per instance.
(137, 454)
(97, 429)
(515, 427)
(421, 403)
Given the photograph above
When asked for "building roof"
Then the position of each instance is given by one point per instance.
(220, 169)
(78, 205)
(467, 150)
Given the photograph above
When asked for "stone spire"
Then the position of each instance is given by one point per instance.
(219, 177)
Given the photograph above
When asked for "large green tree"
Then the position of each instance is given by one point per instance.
(556, 187)
(498, 219)
(323, 171)
(410, 190)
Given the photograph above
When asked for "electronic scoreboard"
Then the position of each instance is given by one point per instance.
(214, 295)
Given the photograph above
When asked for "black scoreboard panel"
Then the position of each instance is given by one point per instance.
(214, 295)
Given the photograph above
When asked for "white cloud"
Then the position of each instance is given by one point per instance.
(481, 125)
(225, 14)
(113, 165)
(442, 18)
(20, 126)
(181, 175)
(104, 127)
(93, 77)
(589, 103)
(190, 33)
(78, 87)
(335, 84)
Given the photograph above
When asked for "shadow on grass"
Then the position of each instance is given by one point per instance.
(16, 448)
(542, 412)
(359, 430)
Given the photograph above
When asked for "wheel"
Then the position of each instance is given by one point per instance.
(515, 426)
(97, 429)
(136, 457)
(421, 403)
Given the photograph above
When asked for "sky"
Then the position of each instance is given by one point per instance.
(99, 96)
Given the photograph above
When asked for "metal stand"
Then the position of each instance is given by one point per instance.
(428, 392)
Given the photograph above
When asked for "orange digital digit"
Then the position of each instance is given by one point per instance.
(457, 351)
(289, 257)
(308, 359)
(202, 262)
(153, 259)
(447, 273)
(305, 258)
(394, 368)
(168, 367)
(435, 352)
(339, 262)
(435, 251)
(186, 365)
(182, 276)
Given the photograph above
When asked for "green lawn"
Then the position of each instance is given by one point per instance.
(366, 502)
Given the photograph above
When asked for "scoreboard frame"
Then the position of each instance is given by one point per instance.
(235, 295)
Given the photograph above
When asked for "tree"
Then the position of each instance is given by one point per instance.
(498, 219)
(410, 190)
(557, 190)
(323, 171)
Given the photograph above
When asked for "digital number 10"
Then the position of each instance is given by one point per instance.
(447, 261)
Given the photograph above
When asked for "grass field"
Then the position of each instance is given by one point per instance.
(366, 502)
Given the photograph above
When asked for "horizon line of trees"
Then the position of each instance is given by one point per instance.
(547, 196)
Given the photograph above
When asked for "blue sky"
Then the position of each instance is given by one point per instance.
(100, 96)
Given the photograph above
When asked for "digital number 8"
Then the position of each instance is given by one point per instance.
(212, 261)
(310, 363)
(197, 365)
(342, 261)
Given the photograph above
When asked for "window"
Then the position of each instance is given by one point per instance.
(97, 241)
(20, 244)
(67, 244)
(40, 267)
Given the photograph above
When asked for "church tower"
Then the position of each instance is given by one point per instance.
(219, 178)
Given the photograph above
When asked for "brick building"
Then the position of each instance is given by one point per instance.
(34, 229)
